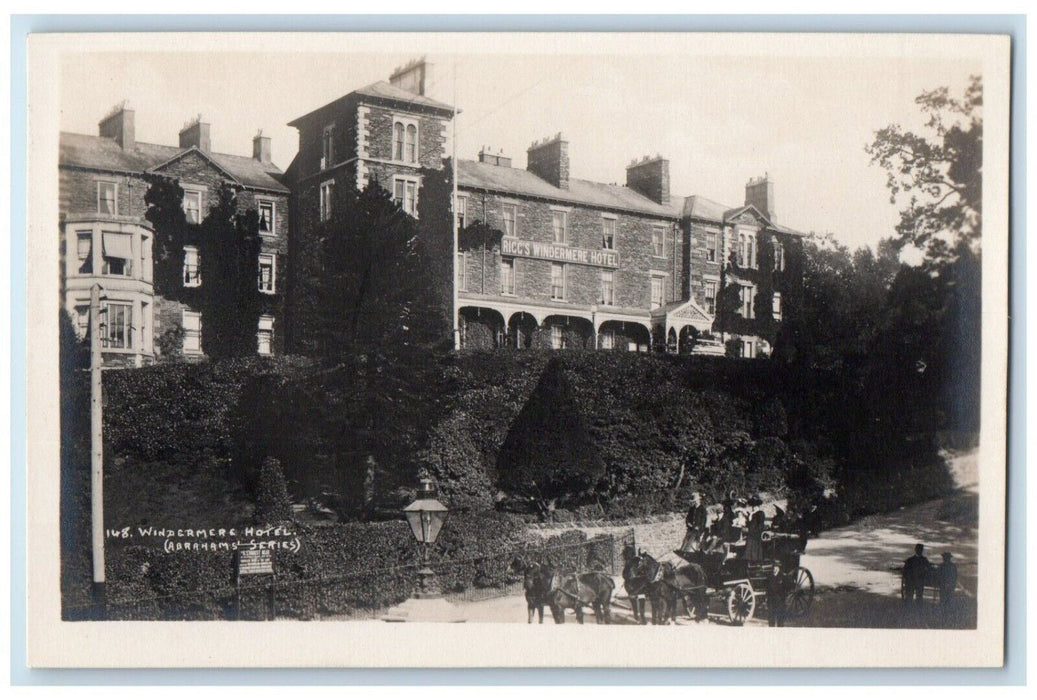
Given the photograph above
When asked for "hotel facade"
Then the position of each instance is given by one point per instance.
(572, 263)
(569, 263)
(106, 239)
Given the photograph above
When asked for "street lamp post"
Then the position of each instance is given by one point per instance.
(425, 516)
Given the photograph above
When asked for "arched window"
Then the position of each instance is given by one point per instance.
(412, 144)
(398, 141)
(742, 248)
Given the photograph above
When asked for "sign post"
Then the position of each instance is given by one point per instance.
(254, 562)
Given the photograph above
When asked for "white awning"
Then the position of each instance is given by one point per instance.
(118, 245)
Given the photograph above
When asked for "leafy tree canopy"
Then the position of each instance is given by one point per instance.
(937, 176)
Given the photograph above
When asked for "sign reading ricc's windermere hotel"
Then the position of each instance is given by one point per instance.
(559, 253)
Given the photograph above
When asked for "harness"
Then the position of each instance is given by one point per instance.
(557, 583)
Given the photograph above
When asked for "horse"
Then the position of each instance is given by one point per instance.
(575, 591)
(635, 583)
(535, 579)
(668, 583)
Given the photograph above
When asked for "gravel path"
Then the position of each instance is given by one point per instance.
(850, 564)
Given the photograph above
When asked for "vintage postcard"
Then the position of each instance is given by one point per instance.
(369, 350)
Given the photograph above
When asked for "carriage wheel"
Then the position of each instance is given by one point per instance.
(801, 595)
(741, 604)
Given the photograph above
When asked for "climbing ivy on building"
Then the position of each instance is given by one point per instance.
(228, 244)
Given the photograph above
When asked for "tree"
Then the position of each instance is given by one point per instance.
(843, 297)
(376, 290)
(937, 176)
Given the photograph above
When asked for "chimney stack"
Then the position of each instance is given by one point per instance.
(196, 133)
(650, 177)
(411, 77)
(261, 147)
(549, 159)
(485, 156)
(118, 125)
(759, 192)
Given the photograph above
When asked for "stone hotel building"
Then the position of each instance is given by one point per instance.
(569, 263)
(106, 239)
(575, 263)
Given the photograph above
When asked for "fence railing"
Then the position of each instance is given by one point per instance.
(365, 594)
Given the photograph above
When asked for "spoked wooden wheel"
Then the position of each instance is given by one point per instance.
(741, 604)
(801, 593)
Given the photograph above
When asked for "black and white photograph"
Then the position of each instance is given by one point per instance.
(624, 348)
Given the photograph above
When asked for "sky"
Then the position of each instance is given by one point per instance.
(719, 119)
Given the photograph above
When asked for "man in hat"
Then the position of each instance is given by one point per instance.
(916, 571)
(754, 530)
(726, 525)
(777, 589)
(696, 524)
(947, 578)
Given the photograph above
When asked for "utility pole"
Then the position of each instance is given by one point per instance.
(96, 453)
(453, 209)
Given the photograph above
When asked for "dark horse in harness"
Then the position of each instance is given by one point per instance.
(535, 578)
(635, 583)
(668, 584)
(545, 585)
(575, 591)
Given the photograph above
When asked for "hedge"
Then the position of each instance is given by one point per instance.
(340, 569)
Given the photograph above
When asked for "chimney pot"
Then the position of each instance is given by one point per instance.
(196, 133)
(651, 178)
(759, 192)
(549, 160)
(411, 77)
(261, 147)
(118, 124)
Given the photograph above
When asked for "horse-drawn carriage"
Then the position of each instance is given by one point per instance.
(725, 574)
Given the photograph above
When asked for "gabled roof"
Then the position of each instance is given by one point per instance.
(381, 90)
(703, 209)
(100, 153)
(486, 176)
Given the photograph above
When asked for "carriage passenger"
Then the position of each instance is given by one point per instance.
(754, 531)
(696, 523)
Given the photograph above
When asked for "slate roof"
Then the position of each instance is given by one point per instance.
(485, 176)
(381, 90)
(387, 91)
(699, 207)
(100, 153)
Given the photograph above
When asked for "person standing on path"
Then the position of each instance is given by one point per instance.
(916, 572)
(777, 589)
(947, 579)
